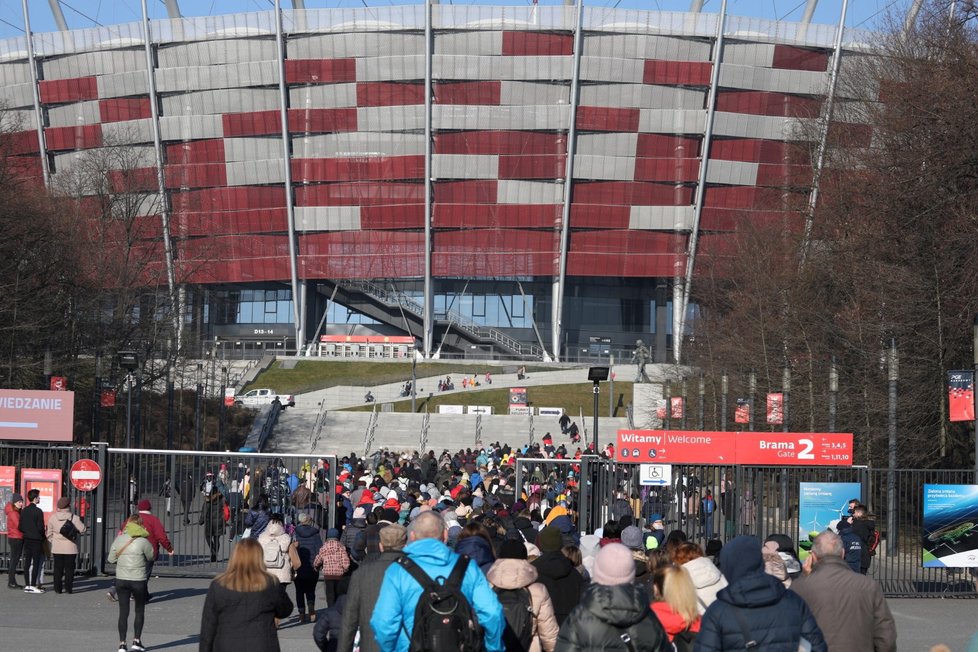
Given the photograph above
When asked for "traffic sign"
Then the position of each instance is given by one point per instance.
(656, 475)
(85, 474)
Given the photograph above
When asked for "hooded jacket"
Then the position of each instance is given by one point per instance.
(393, 616)
(773, 616)
(564, 584)
(518, 574)
(13, 521)
(478, 551)
(59, 544)
(257, 520)
(707, 579)
(309, 542)
(131, 559)
(365, 586)
(274, 535)
(608, 612)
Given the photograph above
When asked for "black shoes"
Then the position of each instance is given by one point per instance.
(14, 585)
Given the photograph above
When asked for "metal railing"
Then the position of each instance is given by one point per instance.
(262, 427)
(478, 429)
(317, 431)
(368, 438)
(425, 424)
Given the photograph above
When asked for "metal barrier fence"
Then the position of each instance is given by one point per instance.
(173, 481)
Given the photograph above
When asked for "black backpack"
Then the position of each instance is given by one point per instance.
(518, 609)
(443, 619)
(69, 531)
(683, 641)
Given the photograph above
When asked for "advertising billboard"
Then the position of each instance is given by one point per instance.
(820, 506)
(950, 526)
(28, 415)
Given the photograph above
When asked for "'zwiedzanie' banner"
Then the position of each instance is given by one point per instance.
(701, 447)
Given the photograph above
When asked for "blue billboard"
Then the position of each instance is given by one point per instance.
(950, 526)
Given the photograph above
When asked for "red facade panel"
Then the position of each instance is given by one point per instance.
(405, 216)
(228, 199)
(73, 138)
(320, 71)
(495, 252)
(389, 94)
(195, 175)
(255, 123)
(537, 44)
(133, 180)
(741, 197)
(122, 109)
(380, 168)
(321, 121)
(596, 216)
(768, 103)
(784, 175)
(662, 146)
(196, 151)
(482, 216)
(465, 192)
(258, 220)
(500, 142)
(480, 92)
(532, 167)
(359, 194)
(26, 168)
(795, 58)
(677, 73)
(754, 150)
(362, 254)
(604, 118)
(667, 169)
(630, 193)
(63, 91)
(20, 142)
(625, 253)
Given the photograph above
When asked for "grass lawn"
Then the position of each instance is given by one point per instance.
(309, 375)
(573, 398)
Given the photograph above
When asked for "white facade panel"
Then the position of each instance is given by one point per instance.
(607, 69)
(191, 127)
(122, 84)
(252, 149)
(619, 144)
(203, 78)
(14, 73)
(464, 166)
(801, 82)
(734, 173)
(664, 121)
(741, 125)
(470, 43)
(70, 115)
(249, 173)
(94, 63)
(610, 168)
(529, 192)
(323, 96)
(532, 93)
(642, 96)
(231, 100)
(396, 68)
(212, 53)
(327, 218)
(360, 44)
(462, 67)
(131, 157)
(546, 118)
(357, 144)
(749, 54)
(17, 95)
(390, 118)
(661, 218)
(635, 46)
(129, 132)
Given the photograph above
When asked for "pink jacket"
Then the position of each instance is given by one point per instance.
(517, 574)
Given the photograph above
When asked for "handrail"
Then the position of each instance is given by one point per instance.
(478, 430)
(368, 439)
(425, 424)
(317, 431)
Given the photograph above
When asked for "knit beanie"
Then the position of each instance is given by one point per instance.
(16, 498)
(143, 505)
(631, 537)
(549, 539)
(741, 557)
(63, 502)
(613, 565)
(512, 549)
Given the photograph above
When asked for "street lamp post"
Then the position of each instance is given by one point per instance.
(893, 375)
(200, 397)
(596, 375)
(752, 389)
(724, 389)
(833, 393)
(224, 409)
(786, 387)
(702, 410)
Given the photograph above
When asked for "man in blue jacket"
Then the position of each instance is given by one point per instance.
(393, 616)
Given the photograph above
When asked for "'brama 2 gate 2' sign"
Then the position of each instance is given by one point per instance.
(699, 447)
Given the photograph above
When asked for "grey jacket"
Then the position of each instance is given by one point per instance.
(133, 561)
(361, 598)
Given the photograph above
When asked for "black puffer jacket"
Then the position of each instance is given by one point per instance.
(608, 612)
(774, 617)
(564, 584)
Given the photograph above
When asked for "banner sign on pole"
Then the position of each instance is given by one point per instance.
(517, 401)
(742, 411)
(48, 482)
(775, 408)
(108, 398)
(7, 485)
(677, 407)
(820, 506)
(59, 384)
(228, 396)
(950, 526)
(36, 415)
(961, 395)
(761, 448)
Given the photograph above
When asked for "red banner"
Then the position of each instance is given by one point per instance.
(59, 384)
(742, 412)
(661, 412)
(7, 488)
(961, 395)
(108, 398)
(48, 482)
(678, 406)
(775, 408)
(696, 447)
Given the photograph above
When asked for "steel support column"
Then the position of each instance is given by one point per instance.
(36, 91)
(428, 323)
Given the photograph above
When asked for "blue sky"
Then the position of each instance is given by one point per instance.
(865, 14)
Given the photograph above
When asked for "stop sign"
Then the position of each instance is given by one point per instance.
(86, 475)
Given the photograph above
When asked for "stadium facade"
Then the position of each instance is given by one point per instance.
(533, 181)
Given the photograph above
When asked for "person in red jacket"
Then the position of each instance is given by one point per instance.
(157, 538)
(14, 537)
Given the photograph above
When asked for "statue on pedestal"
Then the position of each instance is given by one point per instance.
(641, 356)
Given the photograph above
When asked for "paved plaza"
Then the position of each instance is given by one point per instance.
(86, 620)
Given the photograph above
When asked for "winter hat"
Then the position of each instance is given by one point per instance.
(332, 533)
(512, 549)
(64, 501)
(713, 547)
(16, 498)
(631, 537)
(741, 557)
(613, 565)
(655, 517)
(391, 515)
(550, 540)
(366, 499)
(463, 511)
(304, 518)
(359, 512)
(392, 503)
(143, 505)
